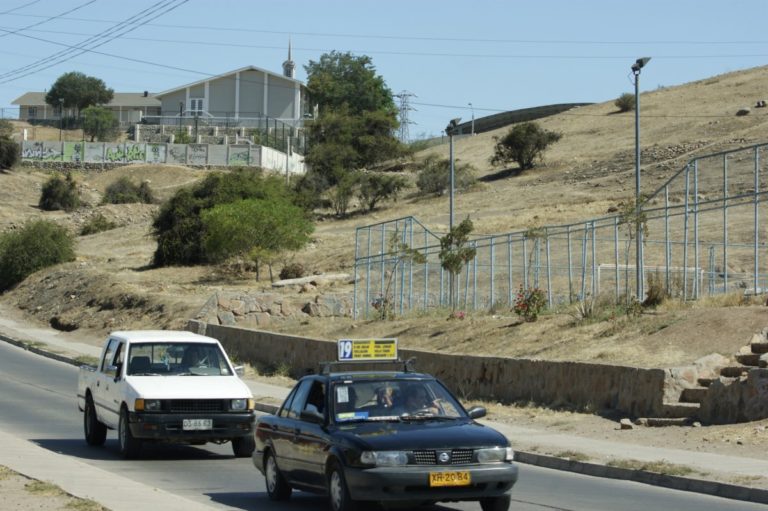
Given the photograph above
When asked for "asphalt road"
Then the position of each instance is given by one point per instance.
(38, 403)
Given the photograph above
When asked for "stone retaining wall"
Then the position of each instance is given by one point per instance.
(634, 391)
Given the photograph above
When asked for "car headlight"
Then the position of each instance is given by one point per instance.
(495, 455)
(384, 458)
(147, 405)
(238, 404)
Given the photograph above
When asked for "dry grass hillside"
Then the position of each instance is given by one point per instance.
(590, 170)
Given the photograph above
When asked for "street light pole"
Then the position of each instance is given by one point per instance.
(636, 67)
(473, 118)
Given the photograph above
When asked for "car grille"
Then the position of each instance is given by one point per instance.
(196, 405)
(428, 457)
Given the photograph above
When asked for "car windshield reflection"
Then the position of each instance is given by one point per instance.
(393, 400)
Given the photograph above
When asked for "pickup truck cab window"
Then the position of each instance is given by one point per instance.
(186, 359)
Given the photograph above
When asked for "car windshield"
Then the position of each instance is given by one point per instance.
(177, 358)
(393, 399)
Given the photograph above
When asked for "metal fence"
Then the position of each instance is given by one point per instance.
(703, 238)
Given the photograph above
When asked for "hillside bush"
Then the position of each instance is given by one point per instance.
(9, 153)
(625, 102)
(97, 223)
(523, 144)
(529, 303)
(178, 226)
(37, 245)
(124, 191)
(292, 271)
(435, 176)
(6, 128)
(376, 187)
(59, 194)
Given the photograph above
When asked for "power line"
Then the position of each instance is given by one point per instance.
(93, 42)
(49, 19)
(423, 38)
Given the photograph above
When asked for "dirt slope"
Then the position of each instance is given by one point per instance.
(590, 170)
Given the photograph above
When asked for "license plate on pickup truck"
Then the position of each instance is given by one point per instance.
(197, 424)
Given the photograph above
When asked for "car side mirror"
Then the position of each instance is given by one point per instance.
(310, 414)
(477, 412)
(240, 371)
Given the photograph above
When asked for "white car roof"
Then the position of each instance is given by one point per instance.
(137, 336)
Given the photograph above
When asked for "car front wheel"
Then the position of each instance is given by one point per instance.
(277, 487)
(129, 446)
(496, 503)
(95, 431)
(243, 446)
(338, 492)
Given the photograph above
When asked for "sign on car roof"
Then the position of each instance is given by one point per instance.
(352, 350)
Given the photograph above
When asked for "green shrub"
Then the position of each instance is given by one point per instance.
(59, 194)
(123, 191)
(97, 223)
(625, 102)
(376, 186)
(9, 153)
(6, 128)
(292, 271)
(37, 245)
(182, 137)
(529, 303)
(435, 176)
(524, 143)
(178, 226)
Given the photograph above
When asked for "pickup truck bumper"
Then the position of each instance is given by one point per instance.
(167, 426)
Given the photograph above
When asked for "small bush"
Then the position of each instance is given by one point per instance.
(59, 194)
(97, 223)
(435, 176)
(9, 153)
(656, 292)
(625, 102)
(529, 303)
(35, 246)
(292, 271)
(123, 191)
(182, 137)
(6, 128)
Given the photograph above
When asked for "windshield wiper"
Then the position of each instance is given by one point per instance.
(144, 374)
(426, 417)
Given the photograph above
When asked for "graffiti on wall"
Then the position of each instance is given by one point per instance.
(126, 153)
(74, 151)
(156, 153)
(41, 151)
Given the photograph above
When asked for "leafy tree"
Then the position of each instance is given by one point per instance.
(435, 175)
(375, 187)
(37, 245)
(339, 79)
(257, 228)
(357, 118)
(59, 194)
(625, 102)
(78, 91)
(523, 144)
(178, 225)
(98, 122)
(454, 252)
(342, 193)
(6, 128)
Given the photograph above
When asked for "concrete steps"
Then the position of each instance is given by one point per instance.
(679, 410)
(748, 359)
(759, 347)
(733, 371)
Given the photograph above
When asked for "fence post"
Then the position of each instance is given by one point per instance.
(725, 223)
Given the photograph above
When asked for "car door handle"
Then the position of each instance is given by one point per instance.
(296, 432)
(98, 383)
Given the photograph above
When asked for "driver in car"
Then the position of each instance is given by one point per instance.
(417, 400)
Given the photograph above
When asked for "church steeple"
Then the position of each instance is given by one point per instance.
(289, 66)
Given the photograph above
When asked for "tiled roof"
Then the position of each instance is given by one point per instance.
(120, 99)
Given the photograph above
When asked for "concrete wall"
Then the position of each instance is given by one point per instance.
(180, 154)
(631, 390)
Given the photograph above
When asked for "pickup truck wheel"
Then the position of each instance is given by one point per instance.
(277, 487)
(129, 446)
(243, 446)
(95, 431)
(495, 503)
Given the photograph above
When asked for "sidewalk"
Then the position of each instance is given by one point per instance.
(62, 347)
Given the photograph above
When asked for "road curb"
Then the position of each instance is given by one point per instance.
(724, 490)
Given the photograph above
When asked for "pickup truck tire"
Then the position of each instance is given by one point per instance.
(496, 503)
(129, 446)
(243, 446)
(95, 431)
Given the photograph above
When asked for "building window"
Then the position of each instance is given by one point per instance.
(196, 106)
(32, 112)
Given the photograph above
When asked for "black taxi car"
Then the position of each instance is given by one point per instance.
(382, 436)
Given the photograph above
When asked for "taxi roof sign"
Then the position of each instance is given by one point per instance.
(366, 350)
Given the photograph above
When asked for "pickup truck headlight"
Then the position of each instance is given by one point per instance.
(495, 455)
(147, 405)
(241, 405)
(384, 458)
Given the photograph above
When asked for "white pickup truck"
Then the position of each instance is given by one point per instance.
(158, 385)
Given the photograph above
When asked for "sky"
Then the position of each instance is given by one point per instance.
(451, 58)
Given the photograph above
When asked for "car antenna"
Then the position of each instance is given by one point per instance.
(408, 365)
